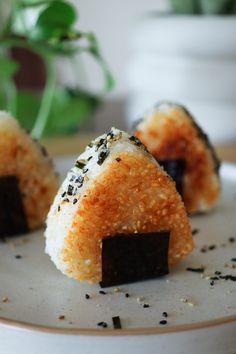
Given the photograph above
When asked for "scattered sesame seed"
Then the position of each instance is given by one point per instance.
(86, 178)
(164, 314)
(163, 322)
(102, 292)
(5, 299)
(187, 301)
(217, 272)
(139, 299)
(212, 247)
(61, 317)
(85, 170)
(116, 290)
(87, 296)
(18, 256)
(66, 200)
(75, 201)
(233, 259)
(231, 239)
(212, 283)
(89, 158)
(118, 159)
(63, 194)
(127, 295)
(58, 208)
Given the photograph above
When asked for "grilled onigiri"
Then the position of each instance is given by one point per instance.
(115, 189)
(28, 182)
(176, 141)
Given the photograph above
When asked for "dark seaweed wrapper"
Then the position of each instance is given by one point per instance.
(12, 214)
(176, 169)
(134, 257)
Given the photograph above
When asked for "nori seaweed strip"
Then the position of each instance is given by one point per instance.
(129, 258)
(12, 214)
(196, 270)
(116, 322)
(175, 168)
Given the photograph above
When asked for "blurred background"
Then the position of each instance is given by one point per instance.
(142, 52)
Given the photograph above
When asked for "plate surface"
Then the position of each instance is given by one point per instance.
(33, 291)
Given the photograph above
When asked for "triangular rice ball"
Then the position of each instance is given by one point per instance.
(114, 188)
(170, 133)
(28, 182)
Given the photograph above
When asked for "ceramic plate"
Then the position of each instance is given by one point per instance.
(36, 297)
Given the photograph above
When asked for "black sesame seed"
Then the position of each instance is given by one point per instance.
(217, 272)
(127, 295)
(58, 208)
(102, 292)
(145, 306)
(85, 170)
(63, 194)
(87, 296)
(72, 178)
(233, 259)
(164, 314)
(214, 278)
(163, 322)
(75, 201)
(66, 200)
(203, 250)
(231, 239)
(89, 158)
(212, 247)
(195, 231)
(18, 256)
(212, 282)
(118, 159)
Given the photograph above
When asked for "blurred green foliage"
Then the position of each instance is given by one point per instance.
(51, 35)
(204, 7)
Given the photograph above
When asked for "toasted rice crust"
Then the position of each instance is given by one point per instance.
(171, 134)
(138, 196)
(22, 157)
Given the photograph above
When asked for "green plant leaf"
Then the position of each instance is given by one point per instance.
(8, 68)
(57, 15)
(217, 7)
(185, 7)
(70, 110)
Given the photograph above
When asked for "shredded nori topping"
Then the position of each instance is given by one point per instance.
(70, 189)
(80, 164)
(116, 322)
(196, 270)
(102, 156)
